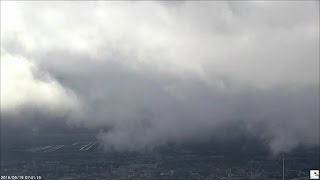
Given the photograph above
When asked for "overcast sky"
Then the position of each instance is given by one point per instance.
(143, 74)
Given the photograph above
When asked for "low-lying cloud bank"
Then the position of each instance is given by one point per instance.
(144, 74)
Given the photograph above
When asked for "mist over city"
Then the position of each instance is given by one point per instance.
(139, 85)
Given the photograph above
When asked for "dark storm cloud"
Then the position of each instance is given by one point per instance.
(144, 74)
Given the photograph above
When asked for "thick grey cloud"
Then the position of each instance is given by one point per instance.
(144, 74)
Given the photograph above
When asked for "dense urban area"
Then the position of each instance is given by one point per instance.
(87, 160)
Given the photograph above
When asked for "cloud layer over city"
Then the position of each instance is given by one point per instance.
(144, 74)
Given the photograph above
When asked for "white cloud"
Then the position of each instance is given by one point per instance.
(23, 84)
(197, 65)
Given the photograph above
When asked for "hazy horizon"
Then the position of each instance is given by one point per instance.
(140, 75)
